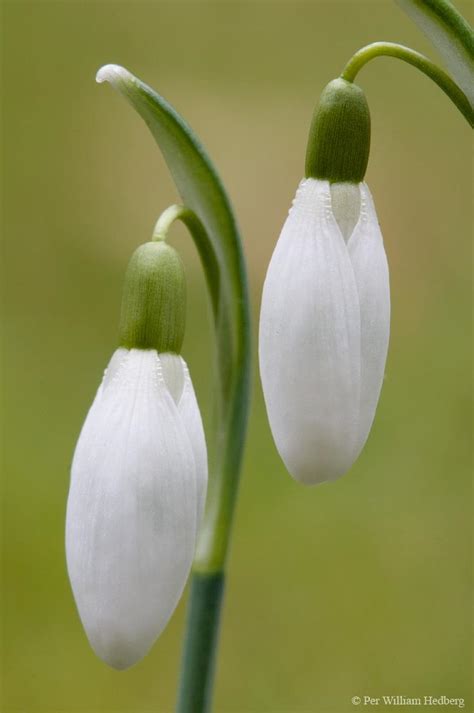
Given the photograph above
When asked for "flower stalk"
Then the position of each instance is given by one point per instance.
(202, 632)
(416, 59)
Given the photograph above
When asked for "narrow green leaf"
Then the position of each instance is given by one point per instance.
(203, 193)
(450, 33)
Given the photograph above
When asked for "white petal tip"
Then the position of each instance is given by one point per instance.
(120, 651)
(311, 476)
(111, 73)
(120, 664)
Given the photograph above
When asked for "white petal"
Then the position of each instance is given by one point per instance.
(178, 380)
(369, 262)
(345, 205)
(130, 530)
(309, 345)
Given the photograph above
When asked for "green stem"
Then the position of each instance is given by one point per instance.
(205, 598)
(166, 220)
(202, 242)
(207, 580)
(202, 631)
(391, 49)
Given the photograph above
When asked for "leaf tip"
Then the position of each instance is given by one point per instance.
(112, 73)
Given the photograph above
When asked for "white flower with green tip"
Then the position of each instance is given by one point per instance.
(139, 472)
(325, 314)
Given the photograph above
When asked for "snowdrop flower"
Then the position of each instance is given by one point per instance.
(325, 313)
(139, 472)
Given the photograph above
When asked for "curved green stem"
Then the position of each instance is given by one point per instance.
(392, 49)
(167, 218)
(202, 242)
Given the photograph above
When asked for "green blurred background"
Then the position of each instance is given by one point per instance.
(360, 587)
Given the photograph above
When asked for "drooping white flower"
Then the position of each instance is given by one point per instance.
(324, 329)
(136, 498)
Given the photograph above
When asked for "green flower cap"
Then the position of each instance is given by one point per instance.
(339, 137)
(154, 300)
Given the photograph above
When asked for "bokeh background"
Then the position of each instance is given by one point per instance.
(360, 587)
